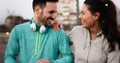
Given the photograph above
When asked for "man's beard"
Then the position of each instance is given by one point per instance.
(47, 22)
(44, 22)
(42, 19)
(50, 21)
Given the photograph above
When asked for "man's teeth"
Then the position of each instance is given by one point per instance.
(52, 21)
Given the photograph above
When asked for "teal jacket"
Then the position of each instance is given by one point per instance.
(31, 45)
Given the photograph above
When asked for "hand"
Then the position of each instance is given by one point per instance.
(45, 60)
(56, 26)
(51, 22)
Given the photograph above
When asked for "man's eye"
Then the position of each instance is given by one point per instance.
(51, 12)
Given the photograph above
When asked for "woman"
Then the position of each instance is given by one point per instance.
(98, 39)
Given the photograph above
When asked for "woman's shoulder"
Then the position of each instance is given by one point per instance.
(78, 28)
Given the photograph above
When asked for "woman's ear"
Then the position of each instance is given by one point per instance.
(96, 15)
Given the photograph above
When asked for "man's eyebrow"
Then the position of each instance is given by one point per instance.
(52, 11)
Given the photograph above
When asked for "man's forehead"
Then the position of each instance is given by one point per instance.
(51, 6)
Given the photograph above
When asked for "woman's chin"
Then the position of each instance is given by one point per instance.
(83, 26)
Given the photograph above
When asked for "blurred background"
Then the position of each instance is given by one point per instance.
(13, 12)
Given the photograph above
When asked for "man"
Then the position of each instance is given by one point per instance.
(36, 41)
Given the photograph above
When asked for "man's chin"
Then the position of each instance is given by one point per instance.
(48, 25)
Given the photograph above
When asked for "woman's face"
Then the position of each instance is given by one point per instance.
(87, 19)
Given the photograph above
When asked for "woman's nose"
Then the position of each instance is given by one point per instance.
(80, 16)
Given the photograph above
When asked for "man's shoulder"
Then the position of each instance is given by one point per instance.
(54, 31)
(61, 31)
(21, 26)
(58, 33)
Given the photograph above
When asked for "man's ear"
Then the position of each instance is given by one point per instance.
(37, 8)
(96, 15)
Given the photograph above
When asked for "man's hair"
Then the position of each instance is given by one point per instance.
(41, 3)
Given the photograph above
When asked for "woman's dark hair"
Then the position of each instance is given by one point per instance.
(41, 3)
(107, 20)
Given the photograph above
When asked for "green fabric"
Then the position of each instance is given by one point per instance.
(31, 46)
(38, 43)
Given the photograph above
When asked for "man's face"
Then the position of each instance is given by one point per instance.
(49, 12)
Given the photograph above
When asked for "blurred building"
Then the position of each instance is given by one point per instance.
(67, 13)
(12, 20)
(6, 28)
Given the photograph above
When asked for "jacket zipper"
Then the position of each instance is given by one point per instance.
(88, 51)
(38, 37)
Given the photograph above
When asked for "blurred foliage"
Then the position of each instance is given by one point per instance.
(11, 21)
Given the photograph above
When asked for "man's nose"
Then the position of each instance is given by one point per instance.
(54, 15)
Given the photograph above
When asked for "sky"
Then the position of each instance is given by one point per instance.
(24, 8)
(15, 7)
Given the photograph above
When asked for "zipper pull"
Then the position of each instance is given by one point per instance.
(89, 45)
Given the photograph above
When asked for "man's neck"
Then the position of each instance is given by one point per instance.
(37, 21)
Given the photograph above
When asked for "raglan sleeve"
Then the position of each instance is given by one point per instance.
(64, 49)
(113, 57)
(12, 47)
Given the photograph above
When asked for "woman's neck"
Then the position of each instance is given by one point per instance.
(93, 31)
